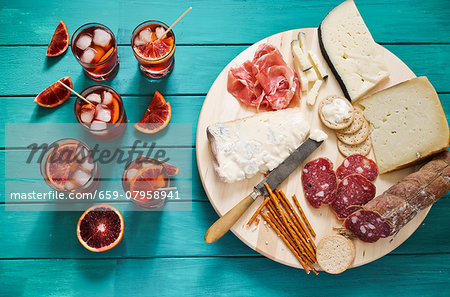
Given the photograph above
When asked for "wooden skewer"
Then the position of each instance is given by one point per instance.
(79, 96)
(167, 189)
(170, 28)
(302, 214)
(257, 211)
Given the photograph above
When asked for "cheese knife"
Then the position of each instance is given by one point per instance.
(273, 179)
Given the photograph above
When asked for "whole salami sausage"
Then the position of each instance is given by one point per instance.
(319, 182)
(386, 214)
(357, 164)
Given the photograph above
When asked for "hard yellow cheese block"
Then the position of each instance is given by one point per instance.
(407, 123)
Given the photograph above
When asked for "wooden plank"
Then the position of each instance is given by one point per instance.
(23, 177)
(185, 111)
(236, 276)
(239, 22)
(196, 68)
(34, 234)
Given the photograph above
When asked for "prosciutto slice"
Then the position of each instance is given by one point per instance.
(266, 82)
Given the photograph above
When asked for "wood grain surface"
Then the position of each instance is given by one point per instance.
(163, 253)
(221, 106)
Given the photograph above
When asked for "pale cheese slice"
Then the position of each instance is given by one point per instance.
(407, 123)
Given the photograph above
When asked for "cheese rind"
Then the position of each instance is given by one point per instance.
(259, 143)
(349, 49)
(407, 123)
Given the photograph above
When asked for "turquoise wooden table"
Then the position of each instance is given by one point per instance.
(163, 253)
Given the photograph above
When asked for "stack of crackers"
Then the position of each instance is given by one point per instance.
(352, 134)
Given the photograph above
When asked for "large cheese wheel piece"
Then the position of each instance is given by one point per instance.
(407, 123)
(356, 60)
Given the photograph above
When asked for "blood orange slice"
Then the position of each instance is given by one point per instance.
(171, 170)
(157, 116)
(100, 228)
(55, 94)
(155, 49)
(59, 165)
(59, 42)
(149, 178)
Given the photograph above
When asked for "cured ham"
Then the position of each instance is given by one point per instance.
(267, 82)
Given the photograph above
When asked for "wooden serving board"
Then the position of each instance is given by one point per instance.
(220, 106)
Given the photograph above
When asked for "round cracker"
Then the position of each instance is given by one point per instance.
(356, 124)
(335, 253)
(346, 123)
(357, 137)
(362, 148)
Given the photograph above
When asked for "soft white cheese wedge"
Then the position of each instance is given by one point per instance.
(407, 123)
(349, 49)
(259, 143)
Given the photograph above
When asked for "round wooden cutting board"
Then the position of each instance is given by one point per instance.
(220, 106)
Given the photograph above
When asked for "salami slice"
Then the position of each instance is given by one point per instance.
(319, 182)
(358, 164)
(353, 192)
(367, 225)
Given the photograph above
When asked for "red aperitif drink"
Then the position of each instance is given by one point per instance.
(144, 181)
(68, 166)
(105, 118)
(153, 49)
(95, 48)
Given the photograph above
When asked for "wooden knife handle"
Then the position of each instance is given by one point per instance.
(222, 225)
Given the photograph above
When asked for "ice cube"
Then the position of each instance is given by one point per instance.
(138, 41)
(87, 115)
(146, 35)
(79, 177)
(131, 173)
(83, 42)
(107, 98)
(88, 55)
(102, 113)
(147, 164)
(97, 125)
(94, 98)
(159, 32)
(101, 37)
(87, 165)
(70, 186)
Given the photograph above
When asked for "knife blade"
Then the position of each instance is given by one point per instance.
(280, 173)
(273, 179)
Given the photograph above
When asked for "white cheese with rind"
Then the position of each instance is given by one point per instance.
(259, 143)
(407, 123)
(355, 58)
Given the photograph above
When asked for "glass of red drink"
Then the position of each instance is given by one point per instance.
(68, 166)
(145, 182)
(153, 50)
(94, 46)
(105, 119)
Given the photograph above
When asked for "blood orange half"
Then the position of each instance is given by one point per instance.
(55, 94)
(59, 42)
(100, 228)
(157, 116)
